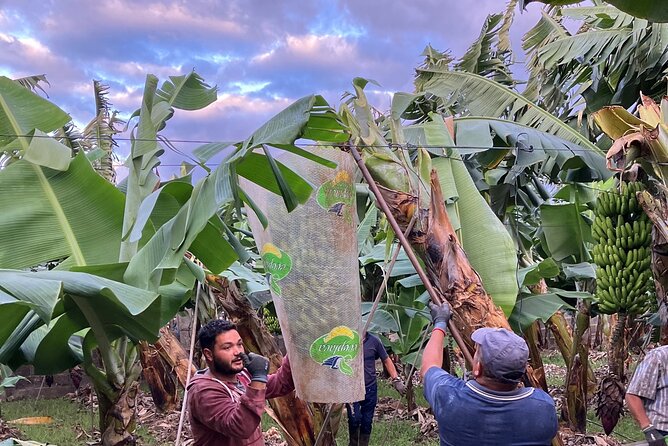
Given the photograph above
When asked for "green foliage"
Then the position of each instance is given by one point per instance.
(479, 96)
(75, 215)
(612, 57)
(7, 379)
(645, 9)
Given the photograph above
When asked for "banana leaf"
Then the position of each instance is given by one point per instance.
(64, 303)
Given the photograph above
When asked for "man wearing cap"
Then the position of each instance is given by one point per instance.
(492, 408)
(647, 396)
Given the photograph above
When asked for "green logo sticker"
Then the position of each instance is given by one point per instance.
(336, 349)
(277, 263)
(337, 195)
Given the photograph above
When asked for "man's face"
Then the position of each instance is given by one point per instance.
(225, 358)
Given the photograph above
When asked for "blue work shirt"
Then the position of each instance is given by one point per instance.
(470, 414)
(373, 349)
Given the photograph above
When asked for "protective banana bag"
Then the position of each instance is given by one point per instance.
(310, 255)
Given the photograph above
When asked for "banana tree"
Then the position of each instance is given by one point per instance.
(609, 60)
(404, 185)
(640, 151)
(645, 9)
(124, 273)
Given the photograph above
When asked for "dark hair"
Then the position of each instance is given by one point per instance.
(207, 334)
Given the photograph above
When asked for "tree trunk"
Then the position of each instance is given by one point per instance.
(300, 422)
(577, 383)
(173, 353)
(611, 387)
(118, 419)
(447, 266)
(562, 335)
(410, 392)
(116, 383)
(531, 336)
(158, 377)
(564, 340)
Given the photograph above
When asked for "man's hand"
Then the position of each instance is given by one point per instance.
(653, 436)
(399, 386)
(257, 366)
(440, 314)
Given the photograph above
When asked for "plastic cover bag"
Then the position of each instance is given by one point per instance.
(311, 257)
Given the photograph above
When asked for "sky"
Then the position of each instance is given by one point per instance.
(262, 55)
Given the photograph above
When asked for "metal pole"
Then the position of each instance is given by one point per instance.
(456, 335)
(325, 425)
(193, 335)
(383, 285)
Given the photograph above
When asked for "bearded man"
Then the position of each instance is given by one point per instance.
(226, 400)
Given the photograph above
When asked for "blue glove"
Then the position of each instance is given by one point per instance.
(257, 366)
(440, 314)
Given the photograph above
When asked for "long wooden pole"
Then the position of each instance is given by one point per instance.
(456, 335)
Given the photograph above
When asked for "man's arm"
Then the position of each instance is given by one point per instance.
(391, 369)
(397, 382)
(643, 387)
(281, 382)
(433, 352)
(637, 409)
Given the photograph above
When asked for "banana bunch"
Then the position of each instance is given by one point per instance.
(622, 254)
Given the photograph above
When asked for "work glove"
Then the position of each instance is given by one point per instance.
(440, 314)
(653, 436)
(399, 386)
(257, 366)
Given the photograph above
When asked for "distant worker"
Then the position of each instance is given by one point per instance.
(360, 414)
(492, 408)
(227, 399)
(647, 396)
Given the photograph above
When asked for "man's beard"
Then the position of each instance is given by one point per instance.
(226, 368)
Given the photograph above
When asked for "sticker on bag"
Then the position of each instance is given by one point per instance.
(336, 349)
(337, 195)
(277, 263)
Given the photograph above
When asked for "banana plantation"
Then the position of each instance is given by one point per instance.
(540, 207)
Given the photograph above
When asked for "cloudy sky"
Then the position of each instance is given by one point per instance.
(261, 54)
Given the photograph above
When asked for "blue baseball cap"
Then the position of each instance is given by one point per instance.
(504, 355)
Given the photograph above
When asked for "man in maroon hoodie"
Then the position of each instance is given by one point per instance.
(227, 399)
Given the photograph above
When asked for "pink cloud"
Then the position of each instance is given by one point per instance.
(154, 15)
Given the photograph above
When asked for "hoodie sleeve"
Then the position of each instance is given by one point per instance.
(281, 383)
(213, 407)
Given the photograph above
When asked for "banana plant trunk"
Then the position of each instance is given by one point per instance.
(300, 421)
(580, 378)
(532, 337)
(454, 279)
(163, 365)
(577, 379)
(117, 400)
(611, 387)
(174, 356)
(118, 419)
(159, 377)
